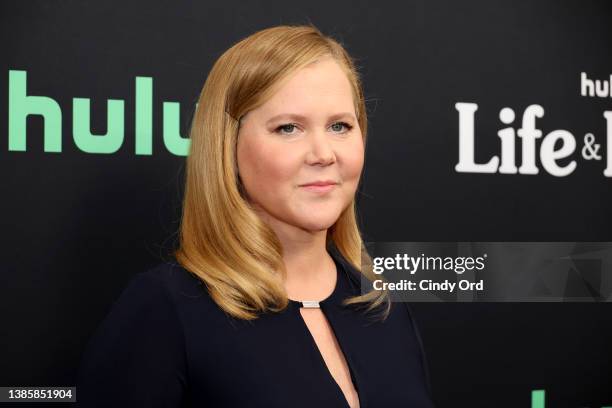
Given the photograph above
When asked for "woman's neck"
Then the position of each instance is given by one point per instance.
(311, 271)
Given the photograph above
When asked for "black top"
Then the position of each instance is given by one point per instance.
(165, 343)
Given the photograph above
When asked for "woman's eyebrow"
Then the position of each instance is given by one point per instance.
(296, 116)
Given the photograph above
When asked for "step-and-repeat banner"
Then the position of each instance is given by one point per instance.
(487, 188)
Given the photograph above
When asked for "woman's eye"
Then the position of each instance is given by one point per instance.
(288, 128)
(338, 126)
(285, 129)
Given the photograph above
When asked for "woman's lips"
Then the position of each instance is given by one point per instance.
(319, 188)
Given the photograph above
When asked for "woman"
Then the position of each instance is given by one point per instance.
(263, 306)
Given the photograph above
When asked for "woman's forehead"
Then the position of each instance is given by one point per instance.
(313, 90)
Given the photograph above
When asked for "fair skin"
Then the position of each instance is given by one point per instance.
(277, 154)
(273, 163)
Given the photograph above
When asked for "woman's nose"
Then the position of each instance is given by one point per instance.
(321, 150)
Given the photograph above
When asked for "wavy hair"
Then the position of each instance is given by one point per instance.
(221, 239)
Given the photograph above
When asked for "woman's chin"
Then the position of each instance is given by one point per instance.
(318, 223)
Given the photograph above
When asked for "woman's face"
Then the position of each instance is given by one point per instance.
(306, 133)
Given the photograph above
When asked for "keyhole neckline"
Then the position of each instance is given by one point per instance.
(333, 298)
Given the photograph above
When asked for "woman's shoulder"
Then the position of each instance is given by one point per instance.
(137, 352)
(156, 301)
(147, 299)
(169, 281)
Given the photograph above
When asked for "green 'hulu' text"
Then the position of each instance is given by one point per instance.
(21, 105)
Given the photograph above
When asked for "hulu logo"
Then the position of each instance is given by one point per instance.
(538, 399)
(21, 105)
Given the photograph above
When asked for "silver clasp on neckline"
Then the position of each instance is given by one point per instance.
(310, 304)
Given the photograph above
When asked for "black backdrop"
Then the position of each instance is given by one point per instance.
(76, 226)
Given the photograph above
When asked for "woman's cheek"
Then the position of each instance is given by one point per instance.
(284, 165)
(354, 163)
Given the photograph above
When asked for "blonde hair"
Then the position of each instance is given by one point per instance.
(222, 240)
